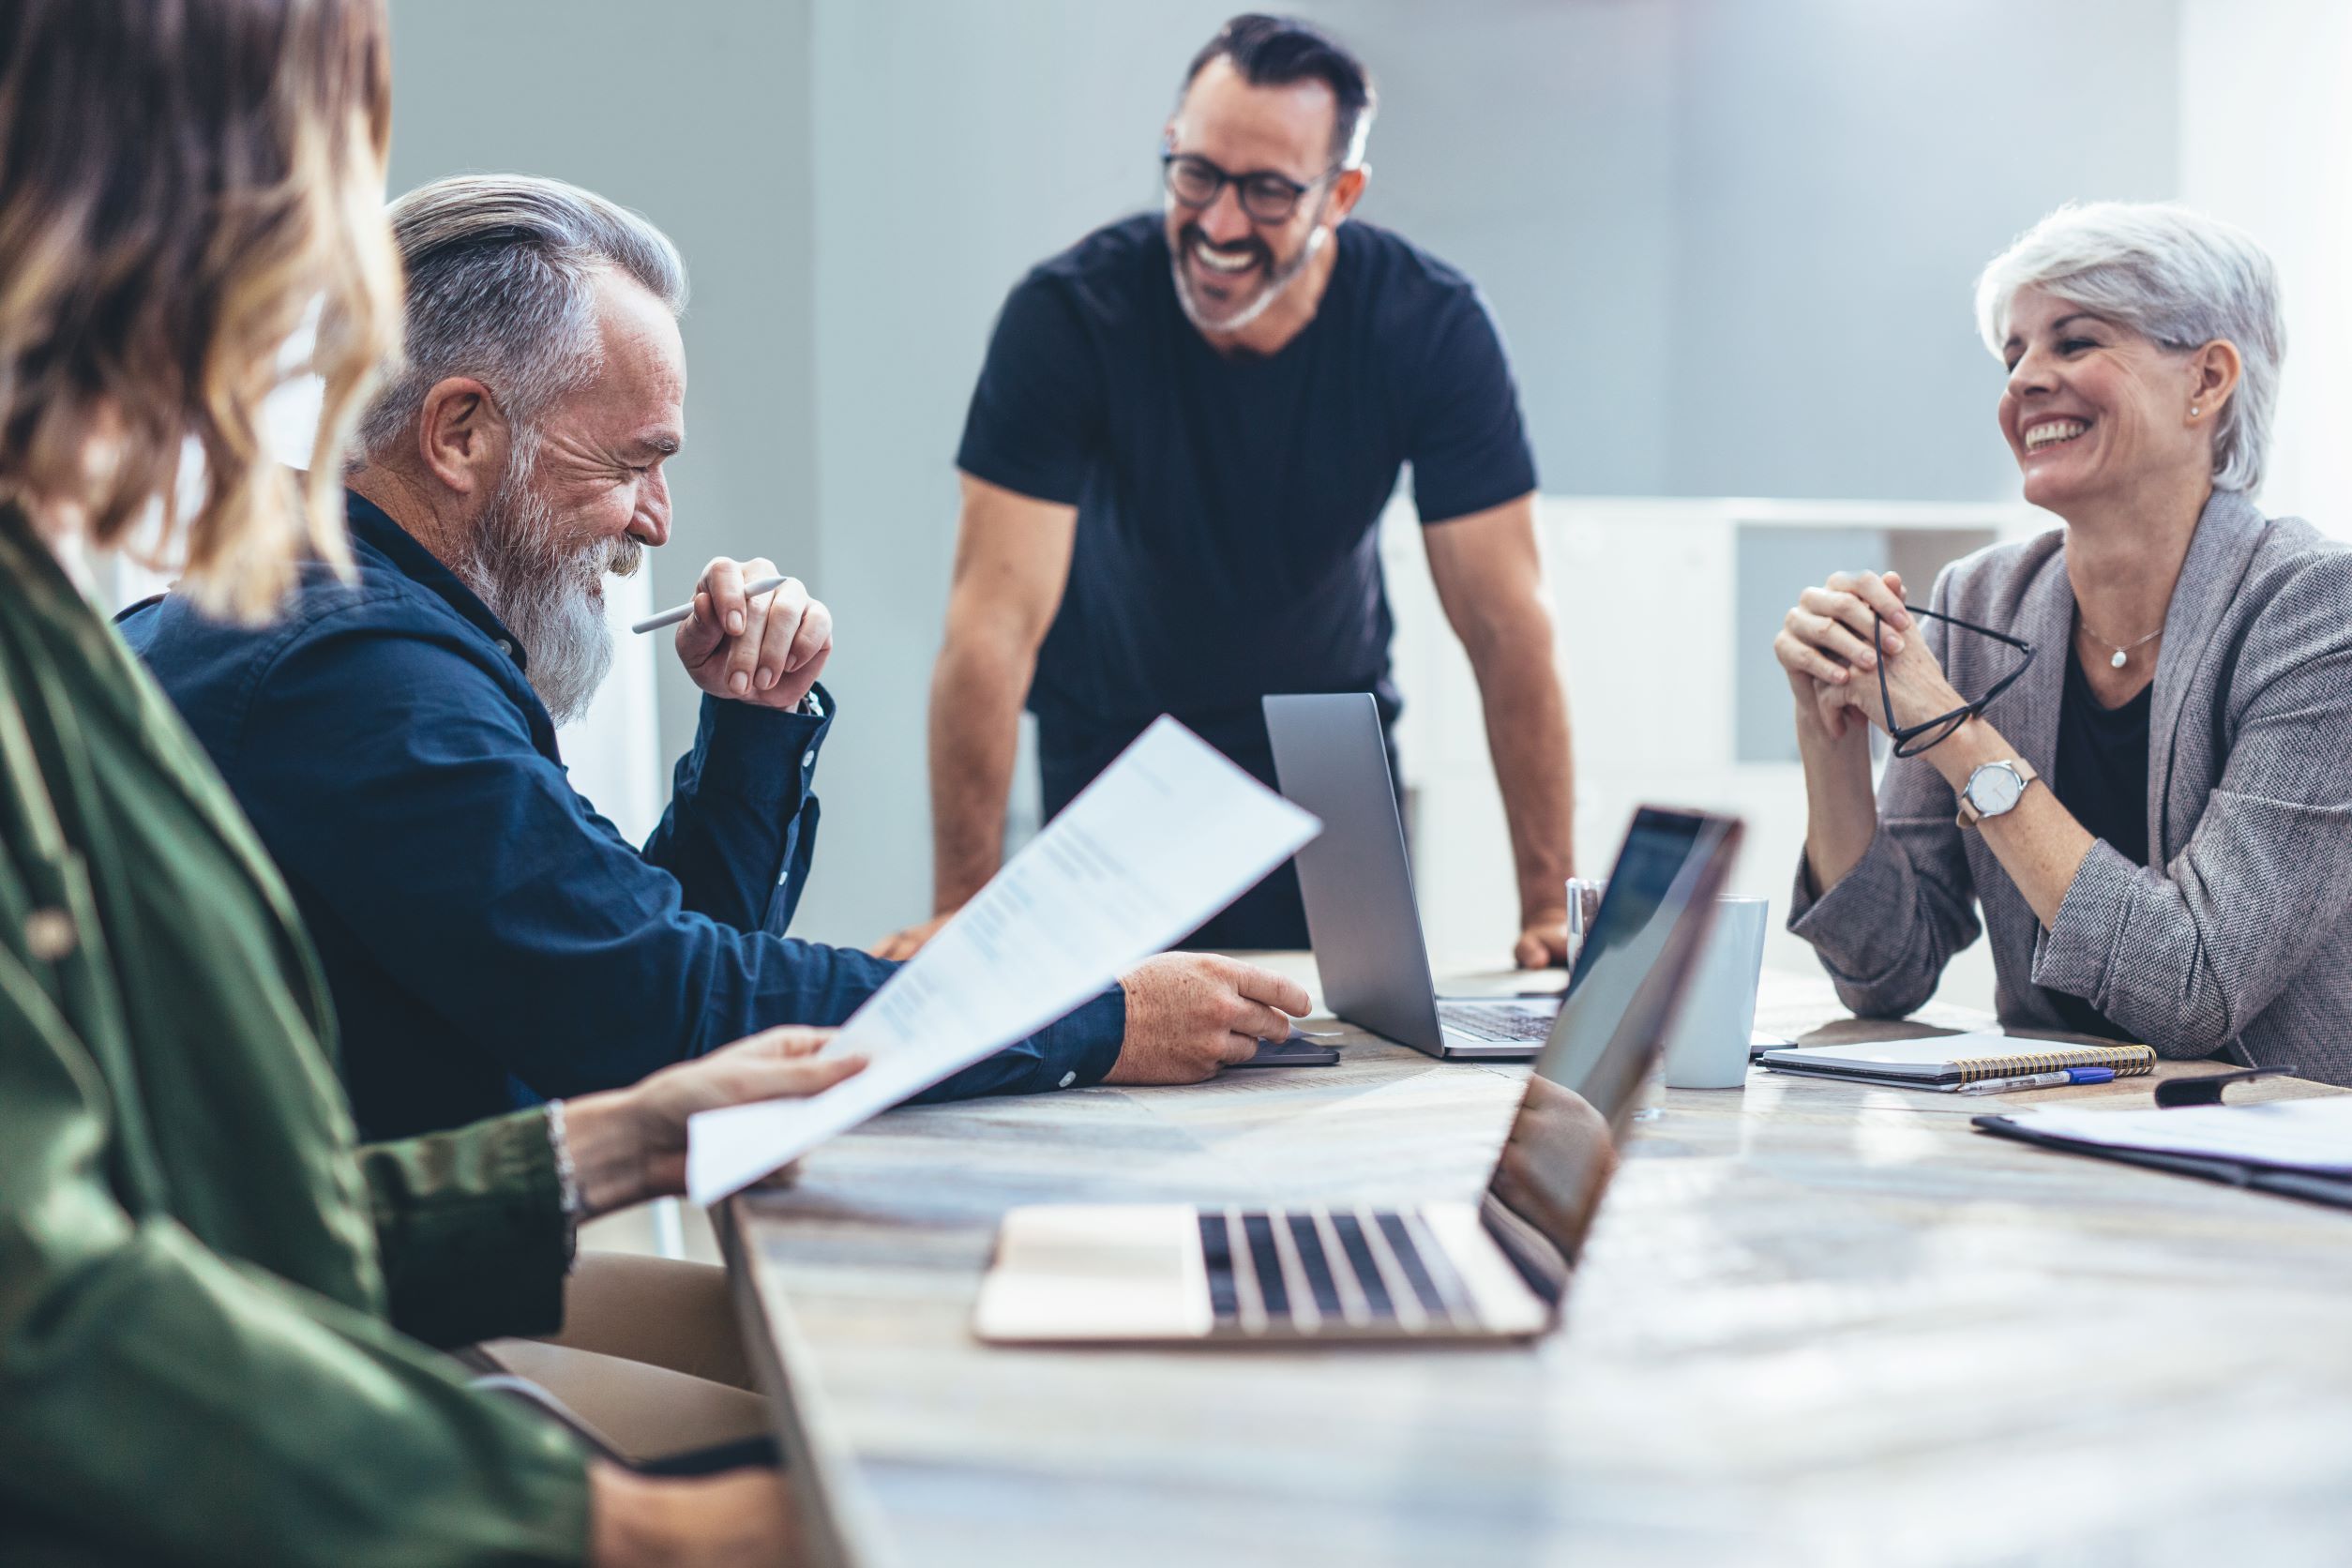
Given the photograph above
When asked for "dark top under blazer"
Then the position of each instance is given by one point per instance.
(2099, 775)
(2236, 935)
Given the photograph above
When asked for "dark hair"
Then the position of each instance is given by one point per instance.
(1277, 51)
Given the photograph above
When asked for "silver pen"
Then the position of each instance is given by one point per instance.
(2038, 1080)
(672, 617)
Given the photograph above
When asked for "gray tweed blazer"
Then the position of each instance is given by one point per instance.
(2236, 936)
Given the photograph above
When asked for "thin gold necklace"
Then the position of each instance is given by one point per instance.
(2122, 650)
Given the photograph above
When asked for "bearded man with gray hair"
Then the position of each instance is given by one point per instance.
(489, 938)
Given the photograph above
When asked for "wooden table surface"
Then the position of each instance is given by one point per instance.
(1816, 1322)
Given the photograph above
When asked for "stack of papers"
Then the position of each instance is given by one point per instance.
(2281, 1135)
(2288, 1148)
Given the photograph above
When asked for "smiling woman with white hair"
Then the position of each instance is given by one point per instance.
(2158, 835)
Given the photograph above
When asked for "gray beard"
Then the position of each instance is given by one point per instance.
(545, 590)
(1277, 284)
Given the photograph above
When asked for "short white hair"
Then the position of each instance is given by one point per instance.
(501, 286)
(2176, 276)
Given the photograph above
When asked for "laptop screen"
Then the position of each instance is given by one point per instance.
(1630, 972)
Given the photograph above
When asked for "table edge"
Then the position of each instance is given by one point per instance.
(834, 1524)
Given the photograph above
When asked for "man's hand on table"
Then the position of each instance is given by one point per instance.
(1543, 941)
(902, 946)
(1190, 1015)
(1544, 931)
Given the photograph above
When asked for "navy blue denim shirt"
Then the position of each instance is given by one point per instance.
(489, 938)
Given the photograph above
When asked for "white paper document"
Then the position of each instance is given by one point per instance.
(1170, 835)
(2297, 1135)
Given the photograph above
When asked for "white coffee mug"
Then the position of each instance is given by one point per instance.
(1709, 1046)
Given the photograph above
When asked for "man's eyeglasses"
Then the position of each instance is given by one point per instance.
(1935, 732)
(1267, 195)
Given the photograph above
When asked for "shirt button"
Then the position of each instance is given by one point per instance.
(505, 647)
(1067, 1079)
(50, 935)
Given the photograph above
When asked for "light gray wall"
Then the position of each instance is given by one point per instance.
(1844, 170)
(956, 146)
(697, 117)
(1532, 145)
(1729, 241)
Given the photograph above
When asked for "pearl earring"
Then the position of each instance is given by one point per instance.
(2192, 410)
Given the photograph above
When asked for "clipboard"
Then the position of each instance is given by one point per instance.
(2311, 1186)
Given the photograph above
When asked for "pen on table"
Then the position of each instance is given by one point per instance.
(672, 617)
(2039, 1080)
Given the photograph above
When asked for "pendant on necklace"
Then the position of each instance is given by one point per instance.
(2121, 659)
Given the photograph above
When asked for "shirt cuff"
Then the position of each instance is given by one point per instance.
(744, 748)
(1080, 1050)
(566, 1181)
(1844, 926)
(472, 1228)
(1056, 484)
(2076, 954)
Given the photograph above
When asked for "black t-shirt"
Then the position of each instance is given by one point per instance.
(2102, 780)
(1225, 545)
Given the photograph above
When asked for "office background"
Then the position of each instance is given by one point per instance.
(1730, 244)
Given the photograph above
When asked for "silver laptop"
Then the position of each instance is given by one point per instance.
(1332, 759)
(1495, 1268)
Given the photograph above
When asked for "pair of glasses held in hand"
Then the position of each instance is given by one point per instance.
(1912, 739)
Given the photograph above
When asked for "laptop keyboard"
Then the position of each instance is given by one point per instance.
(1311, 1270)
(1503, 1025)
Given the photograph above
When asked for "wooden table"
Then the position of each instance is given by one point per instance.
(1816, 1322)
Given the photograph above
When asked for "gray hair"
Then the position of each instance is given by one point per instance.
(501, 270)
(2176, 276)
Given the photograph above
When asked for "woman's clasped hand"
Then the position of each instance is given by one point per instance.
(1837, 639)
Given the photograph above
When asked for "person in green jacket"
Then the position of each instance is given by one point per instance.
(220, 1315)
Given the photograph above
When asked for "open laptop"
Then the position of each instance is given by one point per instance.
(1332, 759)
(1496, 1268)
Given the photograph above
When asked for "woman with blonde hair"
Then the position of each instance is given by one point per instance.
(2123, 749)
(215, 1307)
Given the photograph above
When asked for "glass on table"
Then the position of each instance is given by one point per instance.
(1584, 903)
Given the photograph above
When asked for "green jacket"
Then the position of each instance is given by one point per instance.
(215, 1306)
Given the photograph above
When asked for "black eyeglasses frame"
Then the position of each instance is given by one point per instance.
(1944, 725)
(1297, 192)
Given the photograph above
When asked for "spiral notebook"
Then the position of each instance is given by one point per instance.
(1949, 1061)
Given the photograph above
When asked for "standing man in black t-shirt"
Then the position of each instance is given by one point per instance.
(1179, 450)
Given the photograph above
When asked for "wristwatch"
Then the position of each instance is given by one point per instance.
(1994, 789)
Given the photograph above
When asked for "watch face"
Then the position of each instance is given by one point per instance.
(1994, 788)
